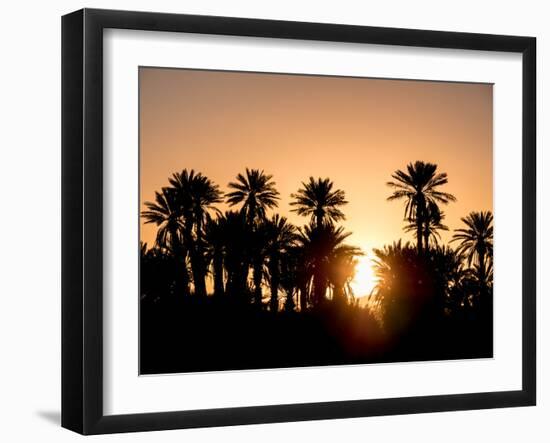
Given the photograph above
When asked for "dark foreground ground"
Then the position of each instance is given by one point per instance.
(190, 335)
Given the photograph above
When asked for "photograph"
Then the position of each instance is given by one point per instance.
(301, 220)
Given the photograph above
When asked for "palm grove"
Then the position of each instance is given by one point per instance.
(258, 259)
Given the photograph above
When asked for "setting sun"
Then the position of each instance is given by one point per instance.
(365, 280)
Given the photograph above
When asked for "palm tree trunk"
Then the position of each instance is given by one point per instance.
(200, 285)
(338, 295)
(419, 235)
(318, 220)
(197, 269)
(303, 297)
(481, 275)
(230, 287)
(182, 275)
(257, 277)
(275, 277)
(289, 301)
(426, 240)
(236, 282)
(242, 280)
(198, 275)
(319, 286)
(217, 264)
(420, 204)
(237, 275)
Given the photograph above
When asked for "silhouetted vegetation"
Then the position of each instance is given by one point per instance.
(246, 288)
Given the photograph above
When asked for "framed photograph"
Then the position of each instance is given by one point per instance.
(268, 221)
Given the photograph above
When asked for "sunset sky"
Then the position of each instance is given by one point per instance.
(356, 131)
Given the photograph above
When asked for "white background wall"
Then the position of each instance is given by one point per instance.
(30, 219)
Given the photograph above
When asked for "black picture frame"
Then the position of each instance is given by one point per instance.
(82, 218)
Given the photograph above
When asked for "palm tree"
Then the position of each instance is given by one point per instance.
(258, 240)
(432, 225)
(214, 235)
(447, 276)
(488, 272)
(460, 284)
(236, 252)
(289, 277)
(419, 187)
(341, 267)
(280, 237)
(402, 285)
(158, 275)
(320, 243)
(256, 190)
(196, 195)
(476, 243)
(317, 199)
(165, 213)
(392, 264)
(296, 270)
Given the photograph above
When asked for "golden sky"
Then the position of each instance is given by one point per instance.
(356, 131)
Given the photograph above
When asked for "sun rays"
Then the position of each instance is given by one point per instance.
(364, 280)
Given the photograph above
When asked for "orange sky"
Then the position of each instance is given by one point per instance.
(356, 131)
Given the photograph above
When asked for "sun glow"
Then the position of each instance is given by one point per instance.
(365, 280)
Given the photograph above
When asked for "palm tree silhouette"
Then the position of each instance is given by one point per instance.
(158, 277)
(403, 285)
(236, 233)
(258, 239)
(460, 282)
(476, 243)
(289, 277)
(280, 238)
(318, 200)
(390, 262)
(447, 274)
(214, 235)
(419, 188)
(165, 213)
(196, 195)
(256, 190)
(320, 244)
(432, 225)
(296, 264)
(341, 267)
